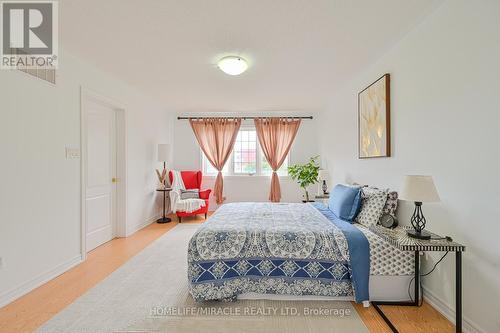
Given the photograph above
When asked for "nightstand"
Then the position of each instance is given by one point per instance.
(323, 198)
(398, 238)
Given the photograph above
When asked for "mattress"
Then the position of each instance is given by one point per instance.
(385, 259)
(382, 288)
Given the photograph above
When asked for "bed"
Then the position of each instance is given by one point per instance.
(292, 251)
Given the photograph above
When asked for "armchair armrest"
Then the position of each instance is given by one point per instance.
(205, 194)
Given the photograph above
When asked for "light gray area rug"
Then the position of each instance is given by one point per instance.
(149, 293)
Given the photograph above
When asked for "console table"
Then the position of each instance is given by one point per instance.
(397, 237)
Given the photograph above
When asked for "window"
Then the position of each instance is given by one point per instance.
(245, 152)
(246, 158)
(267, 170)
(208, 169)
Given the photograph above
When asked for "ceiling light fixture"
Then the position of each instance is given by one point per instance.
(233, 65)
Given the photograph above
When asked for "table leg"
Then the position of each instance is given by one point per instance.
(458, 291)
(415, 302)
(417, 278)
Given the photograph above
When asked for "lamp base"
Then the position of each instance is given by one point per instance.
(419, 235)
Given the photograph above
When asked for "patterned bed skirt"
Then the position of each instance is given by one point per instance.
(229, 289)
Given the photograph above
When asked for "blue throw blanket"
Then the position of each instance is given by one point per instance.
(267, 248)
(359, 252)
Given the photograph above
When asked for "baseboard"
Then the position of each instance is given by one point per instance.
(446, 310)
(142, 225)
(32, 284)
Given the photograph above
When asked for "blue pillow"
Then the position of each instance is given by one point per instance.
(345, 201)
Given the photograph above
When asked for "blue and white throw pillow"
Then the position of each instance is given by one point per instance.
(372, 206)
(391, 204)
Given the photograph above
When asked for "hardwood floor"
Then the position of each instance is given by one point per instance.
(424, 319)
(32, 310)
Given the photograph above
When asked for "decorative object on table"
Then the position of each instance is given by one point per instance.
(388, 221)
(372, 205)
(162, 178)
(163, 154)
(189, 180)
(305, 174)
(374, 136)
(323, 176)
(419, 189)
(164, 218)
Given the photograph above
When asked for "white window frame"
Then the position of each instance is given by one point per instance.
(230, 162)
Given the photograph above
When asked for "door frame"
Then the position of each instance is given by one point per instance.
(120, 223)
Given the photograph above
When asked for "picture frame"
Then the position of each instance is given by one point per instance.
(374, 119)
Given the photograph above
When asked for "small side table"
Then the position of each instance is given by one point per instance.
(323, 198)
(164, 219)
(398, 238)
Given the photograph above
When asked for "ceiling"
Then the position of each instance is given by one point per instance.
(299, 51)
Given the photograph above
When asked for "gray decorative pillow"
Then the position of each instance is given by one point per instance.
(372, 205)
(190, 194)
(391, 204)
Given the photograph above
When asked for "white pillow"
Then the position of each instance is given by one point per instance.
(189, 194)
(372, 205)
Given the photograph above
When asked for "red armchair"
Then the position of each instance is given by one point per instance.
(192, 180)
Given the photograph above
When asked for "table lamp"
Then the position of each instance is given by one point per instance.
(323, 176)
(418, 189)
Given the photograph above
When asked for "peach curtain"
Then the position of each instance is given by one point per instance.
(216, 138)
(276, 136)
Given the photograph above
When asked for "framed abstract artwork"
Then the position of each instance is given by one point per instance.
(374, 108)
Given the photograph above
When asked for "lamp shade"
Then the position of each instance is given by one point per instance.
(163, 152)
(323, 174)
(419, 189)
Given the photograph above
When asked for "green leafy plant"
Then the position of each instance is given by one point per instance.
(305, 174)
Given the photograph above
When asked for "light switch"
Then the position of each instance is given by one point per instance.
(72, 153)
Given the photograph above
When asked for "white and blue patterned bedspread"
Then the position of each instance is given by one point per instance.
(268, 248)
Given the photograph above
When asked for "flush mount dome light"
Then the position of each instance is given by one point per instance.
(233, 65)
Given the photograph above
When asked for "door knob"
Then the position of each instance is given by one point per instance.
(114, 180)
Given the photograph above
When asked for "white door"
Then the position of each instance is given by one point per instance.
(101, 173)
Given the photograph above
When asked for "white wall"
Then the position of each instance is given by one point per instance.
(40, 190)
(445, 78)
(246, 188)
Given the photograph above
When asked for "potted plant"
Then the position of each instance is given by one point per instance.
(305, 174)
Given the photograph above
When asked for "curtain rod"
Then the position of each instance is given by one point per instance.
(245, 118)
